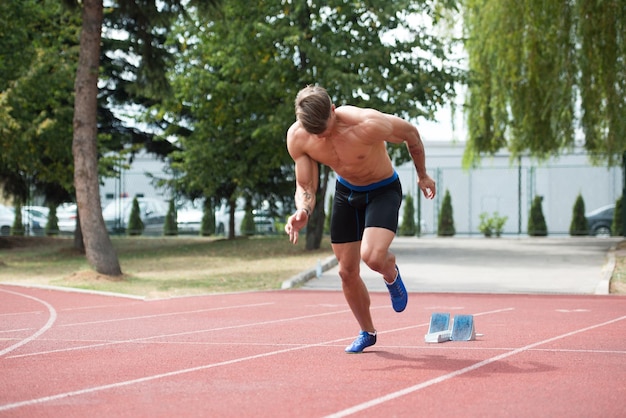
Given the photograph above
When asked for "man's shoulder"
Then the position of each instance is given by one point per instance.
(296, 136)
(358, 114)
(295, 130)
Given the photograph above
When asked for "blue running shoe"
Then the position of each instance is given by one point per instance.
(364, 340)
(397, 291)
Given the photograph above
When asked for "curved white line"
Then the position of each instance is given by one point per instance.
(51, 319)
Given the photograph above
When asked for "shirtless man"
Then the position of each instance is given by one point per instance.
(368, 193)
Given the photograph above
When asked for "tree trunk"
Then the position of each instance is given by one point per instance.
(98, 247)
(315, 228)
(232, 207)
(78, 236)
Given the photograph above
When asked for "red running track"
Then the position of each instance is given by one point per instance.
(280, 354)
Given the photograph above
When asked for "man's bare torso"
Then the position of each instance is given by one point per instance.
(355, 149)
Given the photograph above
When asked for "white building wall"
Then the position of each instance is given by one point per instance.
(498, 185)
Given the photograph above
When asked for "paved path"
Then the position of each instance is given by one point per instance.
(563, 265)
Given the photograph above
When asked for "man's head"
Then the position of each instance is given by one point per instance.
(313, 109)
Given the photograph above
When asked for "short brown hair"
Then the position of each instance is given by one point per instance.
(313, 106)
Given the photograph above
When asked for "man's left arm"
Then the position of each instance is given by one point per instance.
(403, 131)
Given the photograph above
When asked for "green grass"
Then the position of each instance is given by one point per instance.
(163, 266)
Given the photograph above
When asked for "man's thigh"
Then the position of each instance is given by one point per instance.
(376, 241)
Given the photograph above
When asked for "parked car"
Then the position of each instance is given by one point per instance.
(152, 212)
(66, 218)
(600, 220)
(262, 219)
(189, 218)
(7, 216)
(33, 219)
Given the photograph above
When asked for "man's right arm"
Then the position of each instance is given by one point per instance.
(306, 170)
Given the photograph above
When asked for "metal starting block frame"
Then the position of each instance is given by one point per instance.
(440, 329)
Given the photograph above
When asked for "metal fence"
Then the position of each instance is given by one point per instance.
(509, 190)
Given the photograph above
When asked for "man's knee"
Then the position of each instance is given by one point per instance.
(375, 258)
(348, 273)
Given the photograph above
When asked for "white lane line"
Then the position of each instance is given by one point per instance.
(131, 318)
(200, 331)
(51, 318)
(44, 399)
(377, 401)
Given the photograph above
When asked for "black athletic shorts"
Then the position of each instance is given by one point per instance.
(358, 207)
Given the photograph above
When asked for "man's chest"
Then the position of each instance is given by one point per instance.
(340, 152)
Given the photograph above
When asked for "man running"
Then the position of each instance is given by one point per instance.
(368, 193)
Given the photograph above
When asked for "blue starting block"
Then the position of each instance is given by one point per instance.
(463, 328)
(439, 329)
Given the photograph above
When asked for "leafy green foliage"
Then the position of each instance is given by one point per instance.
(408, 227)
(36, 103)
(170, 228)
(579, 225)
(532, 64)
(446, 219)
(617, 225)
(234, 90)
(52, 225)
(536, 222)
(135, 224)
(248, 227)
(329, 215)
(492, 224)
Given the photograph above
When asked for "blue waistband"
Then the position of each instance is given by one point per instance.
(369, 187)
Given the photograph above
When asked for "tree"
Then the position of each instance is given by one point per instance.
(579, 225)
(225, 93)
(135, 224)
(616, 225)
(541, 69)
(144, 18)
(236, 88)
(98, 247)
(17, 229)
(208, 219)
(170, 228)
(36, 103)
(446, 218)
(408, 227)
(52, 225)
(248, 227)
(536, 222)
(329, 214)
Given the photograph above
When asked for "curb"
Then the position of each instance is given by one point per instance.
(603, 287)
(307, 275)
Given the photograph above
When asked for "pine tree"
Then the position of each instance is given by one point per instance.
(616, 227)
(536, 222)
(579, 225)
(446, 219)
(135, 224)
(248, 227)
(329, 214)
(170, 228)
(408, 227)
(52, 226)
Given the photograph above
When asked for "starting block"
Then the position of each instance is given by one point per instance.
(439, 329)
(463, 328)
